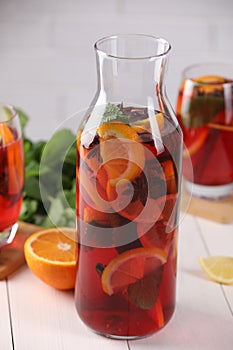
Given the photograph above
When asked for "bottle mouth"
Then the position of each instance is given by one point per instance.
(133, 46)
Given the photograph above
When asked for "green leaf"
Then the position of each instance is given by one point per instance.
(31, 187)
(27, 146)
(47, 167)
(28, 210)
(144, 292)
(23, 118)
(38, 148)
(200, 110)
(58, 215)
(57, 147)
(113, 113)
(32, 169)
(55, 212)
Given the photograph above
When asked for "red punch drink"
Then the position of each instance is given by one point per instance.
(11, 172)
(127, 210)
(205, 113)
(129, 150)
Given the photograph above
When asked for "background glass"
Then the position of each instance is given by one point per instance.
(11, 173)
(205, 113)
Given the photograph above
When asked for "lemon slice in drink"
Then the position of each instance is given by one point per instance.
(218, 268)
(131, 266)
(121, 151)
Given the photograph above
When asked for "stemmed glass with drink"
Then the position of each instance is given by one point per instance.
(11, 173)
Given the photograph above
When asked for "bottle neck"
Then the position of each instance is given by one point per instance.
(131, 81)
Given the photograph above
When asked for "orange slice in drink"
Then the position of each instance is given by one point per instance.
(170, 176)
(196, 138)
(51, 256)
(210, 83)
(92, 215)
(121, 152)
(210, 79)
(14, 159)
(144, 124)
(156, 236)
(130, 267)
(6, 135)
(121, 200)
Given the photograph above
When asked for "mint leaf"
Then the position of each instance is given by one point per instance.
(59, 155)
(23, 118)
(113, 113)
(56, 148)
(201, 110)
(28, 210)
(144, 292)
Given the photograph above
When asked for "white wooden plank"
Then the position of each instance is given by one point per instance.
(218, 237)
(202, 320)
(228, 292)
(45, 318)
(219, 240)
(5, 329)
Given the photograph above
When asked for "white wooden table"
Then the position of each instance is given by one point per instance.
(35, 316)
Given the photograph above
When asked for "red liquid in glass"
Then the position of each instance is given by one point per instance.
(205, 113)
(11, 182)
(101, 235)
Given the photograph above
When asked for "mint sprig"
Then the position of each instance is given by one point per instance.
(144, 293)
(201, 110)
(58, 154)
(114, 113)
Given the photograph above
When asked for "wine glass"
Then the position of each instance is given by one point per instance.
(11, 173)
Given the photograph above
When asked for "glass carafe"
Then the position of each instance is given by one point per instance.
(128, 187)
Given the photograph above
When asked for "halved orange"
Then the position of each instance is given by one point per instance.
(121, 151)
(51, 254)
(131, 266)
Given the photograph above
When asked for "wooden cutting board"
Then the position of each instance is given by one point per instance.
(12, 256)
(215, 210)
